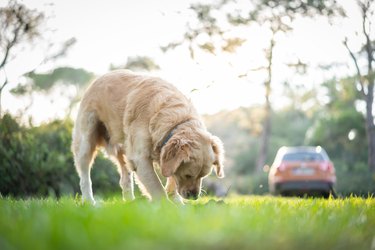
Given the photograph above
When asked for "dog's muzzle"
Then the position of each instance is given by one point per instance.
(192, 195)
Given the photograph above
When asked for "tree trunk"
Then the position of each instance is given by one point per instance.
(371, 148)
(266, 132)
(263, 151)
(1, 107)
(370, 126)
(367, 80)
(5, 83)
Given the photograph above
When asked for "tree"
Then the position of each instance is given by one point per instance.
(20, 26)
(276, 16)
(365, 74)
(340, 128)
(61, 76)
(144, 63)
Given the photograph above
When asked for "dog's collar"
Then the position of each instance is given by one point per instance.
(166, 139)
(170, 134)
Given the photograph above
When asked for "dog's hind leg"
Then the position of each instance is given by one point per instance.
(84, 151)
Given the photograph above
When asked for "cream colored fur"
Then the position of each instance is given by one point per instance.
(131, 115)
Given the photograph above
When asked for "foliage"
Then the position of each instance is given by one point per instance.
(289, 129)
(234, 223)
(334, 134)
(309, 8)
(138, 63)
(213, 31)
(354, 179)
(22, 28)
(63, 75)
(254, 184)
(340, 129)
(19, 25)
(212, 27)
(365, 78)
(240, 131)
(46, 81)
(37, 161)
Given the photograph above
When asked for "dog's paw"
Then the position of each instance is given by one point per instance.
(90, 201)
(128, 196)
(176, 199)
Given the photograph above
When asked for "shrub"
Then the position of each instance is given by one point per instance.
(356, 181)
(250, 184)
(37, 161)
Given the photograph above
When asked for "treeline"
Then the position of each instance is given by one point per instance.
(294, 128)
(37, 161)
(336, 125)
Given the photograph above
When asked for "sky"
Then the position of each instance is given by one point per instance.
(108, 32)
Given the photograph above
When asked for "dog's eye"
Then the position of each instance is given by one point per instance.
(188, 176)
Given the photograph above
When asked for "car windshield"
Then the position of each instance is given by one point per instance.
(303, 156)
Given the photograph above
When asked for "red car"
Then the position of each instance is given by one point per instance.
(302, 170)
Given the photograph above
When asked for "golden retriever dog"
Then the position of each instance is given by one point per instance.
(143, 122)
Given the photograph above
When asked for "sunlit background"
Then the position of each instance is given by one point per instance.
(218, 55)
(109, 32)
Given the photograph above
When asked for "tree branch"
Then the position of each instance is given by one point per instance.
(4, 61)
(10, 46)
(368, 46)
(345, 42)
(4, 84)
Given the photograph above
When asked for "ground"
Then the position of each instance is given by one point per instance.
(245, 222)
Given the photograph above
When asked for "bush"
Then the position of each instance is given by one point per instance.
(37, 161)
(357, 181)
(250, 184)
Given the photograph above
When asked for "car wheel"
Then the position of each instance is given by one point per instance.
(332, 192)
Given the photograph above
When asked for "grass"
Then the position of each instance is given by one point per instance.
(246, 222)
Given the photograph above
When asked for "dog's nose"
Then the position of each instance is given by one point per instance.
(192, 195)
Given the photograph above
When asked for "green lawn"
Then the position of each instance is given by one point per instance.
(246, 222)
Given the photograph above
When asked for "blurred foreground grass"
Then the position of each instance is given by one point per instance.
(249, 222)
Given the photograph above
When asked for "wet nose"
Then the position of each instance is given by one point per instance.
(192, 195)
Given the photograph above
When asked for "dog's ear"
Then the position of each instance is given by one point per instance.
(173, 154)
(218, 148)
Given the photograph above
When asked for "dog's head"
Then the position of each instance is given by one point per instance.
(188, 157)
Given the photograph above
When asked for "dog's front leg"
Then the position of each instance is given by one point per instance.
(171, 188)
(149, 180)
